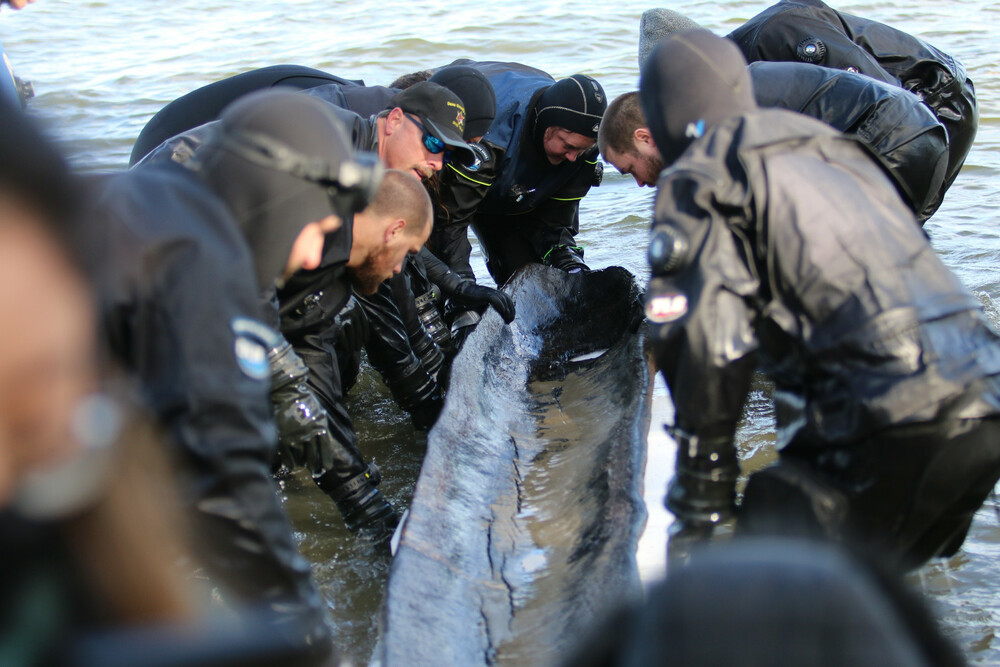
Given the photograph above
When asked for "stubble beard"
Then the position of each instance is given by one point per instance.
(367, 277)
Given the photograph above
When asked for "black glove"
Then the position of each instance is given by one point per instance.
(703, 490)
(568, 258)
(425, 413)
(304, 438)
(471, 295)
(362, 505)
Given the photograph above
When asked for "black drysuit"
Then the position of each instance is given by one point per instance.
(780, 245)
(531, 210)
(811, 31)
(206, 103)
(181, 309)
(901, 131)
(803, 262)
(311, 303)
(460, 190)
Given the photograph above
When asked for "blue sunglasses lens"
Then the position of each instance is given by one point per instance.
(431, 143)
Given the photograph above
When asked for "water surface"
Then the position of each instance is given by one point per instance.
(101, 69)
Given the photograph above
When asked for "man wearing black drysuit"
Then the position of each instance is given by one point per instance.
(190, 250)
(321, 320)
(443, 269)
(901, 130)
(407, 334)
(535, 163)
(458, 195)
(780, 245)
(811, 31)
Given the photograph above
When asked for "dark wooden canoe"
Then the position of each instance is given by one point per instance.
(525, 519)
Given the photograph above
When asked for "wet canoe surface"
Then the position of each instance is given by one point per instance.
(527, 512)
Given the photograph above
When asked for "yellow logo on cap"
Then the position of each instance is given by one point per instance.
(459, 121)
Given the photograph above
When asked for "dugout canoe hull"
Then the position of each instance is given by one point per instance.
(525, 519)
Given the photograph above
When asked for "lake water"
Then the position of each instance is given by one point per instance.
(102, 69)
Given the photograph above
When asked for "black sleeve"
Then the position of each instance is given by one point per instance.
(556, 221)
(439, 273)
(704, 342)
(390, 352)
(814, 35)
(462, 189)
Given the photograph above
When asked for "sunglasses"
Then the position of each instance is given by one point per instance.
(431, 143)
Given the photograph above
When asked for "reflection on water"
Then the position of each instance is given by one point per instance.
(101, 69)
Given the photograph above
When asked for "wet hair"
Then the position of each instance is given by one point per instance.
(402, 195)
(408, 80)
(621, 120)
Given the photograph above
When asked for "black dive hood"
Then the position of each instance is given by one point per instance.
(576, 104)
(691, 82)
(281, 160)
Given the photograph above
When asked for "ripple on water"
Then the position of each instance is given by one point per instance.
(101, 69)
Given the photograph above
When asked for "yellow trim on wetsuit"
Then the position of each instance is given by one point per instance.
(452, 167)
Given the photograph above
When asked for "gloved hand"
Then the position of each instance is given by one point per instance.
(471, 295)
(363, 506)
(425, 413)
(703, 490)
(568, 258)
(304, 438)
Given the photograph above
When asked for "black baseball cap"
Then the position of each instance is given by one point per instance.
(439, 110)
(475, 90)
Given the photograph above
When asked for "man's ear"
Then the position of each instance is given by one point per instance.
(642, 136)
(394, 119)
(394, 229)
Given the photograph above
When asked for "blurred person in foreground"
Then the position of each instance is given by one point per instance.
(772, 601)
(88, 539)
(780, 245)
(192, 256)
